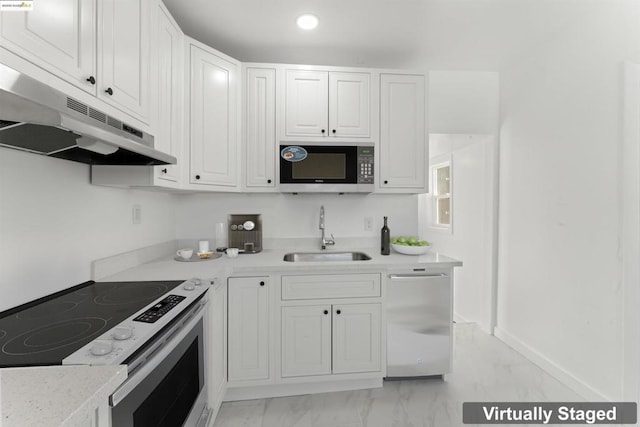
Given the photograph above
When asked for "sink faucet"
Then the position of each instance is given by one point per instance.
(325, 242)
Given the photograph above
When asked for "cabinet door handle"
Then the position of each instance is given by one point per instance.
(197, 176)
(338, 311)
(261, 283)
(333, 131)
(109, 91)
(386, 182)
(322, 131)
(326, 312)
(164, 170)
(268, 181)
(92, 80)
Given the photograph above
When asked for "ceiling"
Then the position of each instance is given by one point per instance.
(435, 34)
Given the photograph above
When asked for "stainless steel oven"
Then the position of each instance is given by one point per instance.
(167, 380)
(157, 328)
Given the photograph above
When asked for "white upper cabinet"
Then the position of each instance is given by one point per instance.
(327, 104)
(307, 97)
(99, 46)
(57, 35)
(123, 60)
(213, 119)
(169, 102)
(349, 104)
(260, 129)
(403, 146)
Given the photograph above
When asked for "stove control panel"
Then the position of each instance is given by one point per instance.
(161, 308)
(119, 343)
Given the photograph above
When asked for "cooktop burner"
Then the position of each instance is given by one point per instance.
(45, 331)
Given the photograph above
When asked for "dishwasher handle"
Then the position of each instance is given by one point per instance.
(413, 276)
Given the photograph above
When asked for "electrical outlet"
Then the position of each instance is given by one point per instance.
(136, 214)
(368, 223)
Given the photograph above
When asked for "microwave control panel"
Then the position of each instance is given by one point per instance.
(365, 165)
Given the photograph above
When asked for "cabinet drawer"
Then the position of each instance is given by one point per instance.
(330, 286)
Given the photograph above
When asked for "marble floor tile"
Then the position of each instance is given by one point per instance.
(484, 369)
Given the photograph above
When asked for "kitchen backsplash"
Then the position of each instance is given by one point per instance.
(297, 216)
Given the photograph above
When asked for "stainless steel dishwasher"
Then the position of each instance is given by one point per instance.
(419, 324)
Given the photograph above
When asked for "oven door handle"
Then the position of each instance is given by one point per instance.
(158, 351)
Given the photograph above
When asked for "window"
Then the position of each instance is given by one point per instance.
(441, 190)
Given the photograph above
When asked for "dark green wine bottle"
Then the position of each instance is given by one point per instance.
(385, 238)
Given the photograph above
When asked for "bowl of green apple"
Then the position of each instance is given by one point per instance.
(410, 245)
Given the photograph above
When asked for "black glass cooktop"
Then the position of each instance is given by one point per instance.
(45, 331)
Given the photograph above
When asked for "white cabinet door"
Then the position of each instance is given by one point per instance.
(306, 340)
(123, 59)
(218, 346)
(349, 104)
(57, 35)
(169, 101)
(260, 126)
(248, 330)
(403, 159)
(213, 119)
(306, 101)
(356, 338)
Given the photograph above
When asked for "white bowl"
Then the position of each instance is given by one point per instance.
(411, 250)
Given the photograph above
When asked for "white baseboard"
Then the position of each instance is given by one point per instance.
(583, 389)
(459, 319)
(282, 390)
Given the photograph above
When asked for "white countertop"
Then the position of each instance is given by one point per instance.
(55, 395)
(271, 260)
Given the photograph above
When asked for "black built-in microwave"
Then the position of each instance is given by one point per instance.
(326, 168)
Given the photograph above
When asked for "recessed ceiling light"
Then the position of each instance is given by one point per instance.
(307, 21)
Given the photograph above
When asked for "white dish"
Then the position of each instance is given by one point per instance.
(411, 250)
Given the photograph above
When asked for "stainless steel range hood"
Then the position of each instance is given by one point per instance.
(36, 118)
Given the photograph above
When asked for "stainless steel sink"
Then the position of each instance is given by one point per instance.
(325, 256)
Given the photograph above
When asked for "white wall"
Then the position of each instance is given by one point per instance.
(53, 223)
(471, 237)
(463, 102)
(559, 292)
(293, 216)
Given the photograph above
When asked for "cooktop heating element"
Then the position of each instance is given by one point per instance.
(45, 331)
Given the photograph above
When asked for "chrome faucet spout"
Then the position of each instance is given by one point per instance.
(324, 241)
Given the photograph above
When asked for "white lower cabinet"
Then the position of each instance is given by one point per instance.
(330, 339)
(306, 340)
(248, 330)
(312, 333)
(218, 346)
(356, 338)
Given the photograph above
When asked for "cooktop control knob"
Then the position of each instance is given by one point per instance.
(196, 281)
(100, 348)
(249, 225)
(189, 286)
(122, 332)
